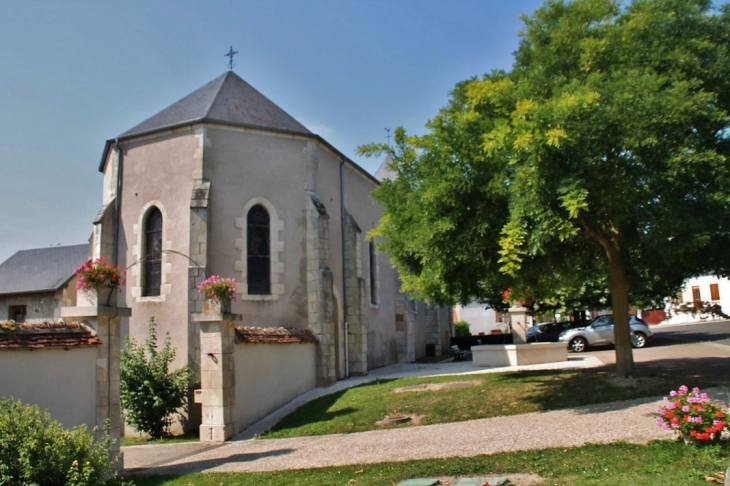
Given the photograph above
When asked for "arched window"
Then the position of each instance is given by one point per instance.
(153, 253)
(258, 251)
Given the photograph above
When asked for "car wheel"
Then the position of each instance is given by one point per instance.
(578, 344)
(638, 340)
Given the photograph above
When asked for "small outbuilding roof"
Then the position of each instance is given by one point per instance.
(42, 269)
(46, 335)
(269, 335)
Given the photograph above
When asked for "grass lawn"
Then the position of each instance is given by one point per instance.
(496, 394)
(658, 463)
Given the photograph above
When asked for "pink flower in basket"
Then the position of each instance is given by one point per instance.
(218, 288)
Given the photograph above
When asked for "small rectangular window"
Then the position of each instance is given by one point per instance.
(714, 292)
(681, 296)
(17, 313)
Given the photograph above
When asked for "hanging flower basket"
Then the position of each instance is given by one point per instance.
(99, 280)
(219, 293)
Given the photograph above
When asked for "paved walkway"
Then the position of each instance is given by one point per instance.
(628, 421)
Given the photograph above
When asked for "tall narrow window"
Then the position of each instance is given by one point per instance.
(153, 254)
(373, 275)
(258, 251)
(714, 292)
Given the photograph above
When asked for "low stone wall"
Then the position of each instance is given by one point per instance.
(269, 375)
(497, 355)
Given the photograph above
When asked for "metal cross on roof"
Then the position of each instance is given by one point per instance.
(387, 136)
(230, 55)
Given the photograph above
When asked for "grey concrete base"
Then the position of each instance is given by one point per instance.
(216, 433)
(497, 355)
(420, 482)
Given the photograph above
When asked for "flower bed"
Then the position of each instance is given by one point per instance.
(694, 417)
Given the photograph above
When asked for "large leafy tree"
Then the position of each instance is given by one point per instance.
(598, 161)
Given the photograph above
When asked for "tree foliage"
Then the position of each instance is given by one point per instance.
(150, 391)
(595, 170)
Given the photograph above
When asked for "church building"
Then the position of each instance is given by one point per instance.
(224, 182)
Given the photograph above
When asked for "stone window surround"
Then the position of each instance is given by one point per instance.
(136, 273)
(276, 241)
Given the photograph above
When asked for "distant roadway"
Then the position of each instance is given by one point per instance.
(701, 349)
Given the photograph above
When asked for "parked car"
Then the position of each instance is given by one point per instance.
(548, 332)
(600, 331)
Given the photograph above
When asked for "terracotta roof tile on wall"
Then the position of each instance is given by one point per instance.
(46, 335)
(270, 335)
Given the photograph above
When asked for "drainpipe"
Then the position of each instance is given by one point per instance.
(117, 203)
(344, 280)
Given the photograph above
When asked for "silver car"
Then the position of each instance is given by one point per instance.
(600, 331)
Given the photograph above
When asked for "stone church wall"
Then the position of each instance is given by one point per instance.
(379, 310)
(157, 173)
(259, 168)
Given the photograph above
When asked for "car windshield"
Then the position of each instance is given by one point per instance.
(602, 321)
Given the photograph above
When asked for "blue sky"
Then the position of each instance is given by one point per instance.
(76, 73)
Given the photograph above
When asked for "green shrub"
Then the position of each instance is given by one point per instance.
(461, 329)
(150, 392)
(34, 450)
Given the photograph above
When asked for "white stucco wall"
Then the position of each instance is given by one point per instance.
(703, 283)
(480, 319)
(269, 376)
(60, 381)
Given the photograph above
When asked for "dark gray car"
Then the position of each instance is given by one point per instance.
(600, 332)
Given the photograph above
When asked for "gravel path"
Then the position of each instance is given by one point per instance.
(628, 421)
(621, 421)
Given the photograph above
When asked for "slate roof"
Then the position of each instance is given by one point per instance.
(46, 335)
(42, 269)
(270, 335)
(227, 99)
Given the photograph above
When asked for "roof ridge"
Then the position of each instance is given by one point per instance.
(216, 92)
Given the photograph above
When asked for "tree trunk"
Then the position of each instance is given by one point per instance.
(618, 285)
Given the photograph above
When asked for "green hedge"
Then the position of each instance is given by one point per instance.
(36, 450)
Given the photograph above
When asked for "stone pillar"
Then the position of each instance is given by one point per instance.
(105, 320)
(217, 380)
(356, 318)
(357, 338)
(433, 323)
(405, 318)
(518, 323)
(197, 262)
(320, 297)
